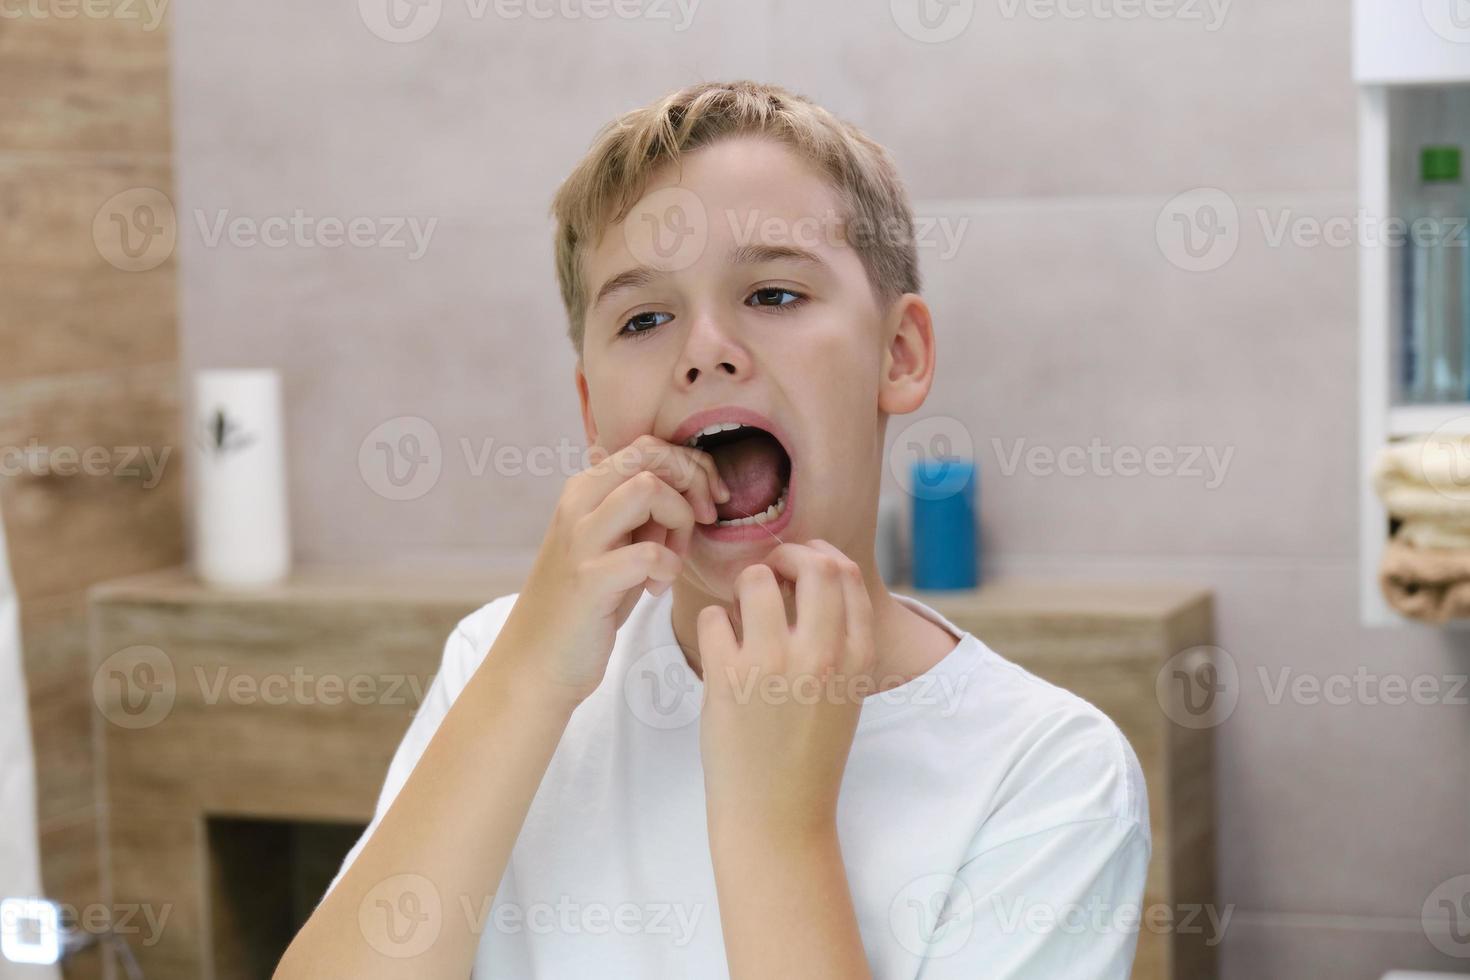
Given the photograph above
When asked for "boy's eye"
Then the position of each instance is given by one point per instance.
(774, 296)
(644, 322)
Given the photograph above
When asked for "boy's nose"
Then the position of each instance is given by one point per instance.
(709, 349)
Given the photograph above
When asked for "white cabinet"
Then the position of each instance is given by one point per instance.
(1407, 41)
(1411, 61)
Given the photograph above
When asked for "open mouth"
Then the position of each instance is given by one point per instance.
(756, 468)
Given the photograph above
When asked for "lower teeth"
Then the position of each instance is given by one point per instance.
(769, 514)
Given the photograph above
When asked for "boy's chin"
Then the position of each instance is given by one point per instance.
(713, 566)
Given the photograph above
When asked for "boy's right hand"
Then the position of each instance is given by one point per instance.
(621, 526)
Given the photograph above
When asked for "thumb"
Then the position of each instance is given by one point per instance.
(717, 644)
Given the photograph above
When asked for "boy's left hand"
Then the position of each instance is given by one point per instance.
(782, 702)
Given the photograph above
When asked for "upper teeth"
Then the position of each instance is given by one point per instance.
(710, 430)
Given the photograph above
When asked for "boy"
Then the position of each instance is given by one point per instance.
(704, 740)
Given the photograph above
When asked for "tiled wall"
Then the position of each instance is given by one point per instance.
(88, 374)
(1069, 312)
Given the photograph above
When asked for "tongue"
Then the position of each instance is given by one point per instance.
(751, 468)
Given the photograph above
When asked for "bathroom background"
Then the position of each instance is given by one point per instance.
(1046, 147)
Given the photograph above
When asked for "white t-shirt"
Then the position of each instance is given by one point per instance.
(992, 824)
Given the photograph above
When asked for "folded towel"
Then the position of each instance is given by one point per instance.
(1430, 584)
(1426, 477)
(1434, 534)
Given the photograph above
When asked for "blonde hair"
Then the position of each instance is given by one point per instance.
(610, 179)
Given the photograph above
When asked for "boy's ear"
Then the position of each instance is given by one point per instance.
(589, 426)
(908, 358)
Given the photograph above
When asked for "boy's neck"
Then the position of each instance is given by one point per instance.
(907, 643)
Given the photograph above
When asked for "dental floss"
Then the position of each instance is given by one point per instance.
(761, 526)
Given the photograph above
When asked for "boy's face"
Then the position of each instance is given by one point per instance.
(744, 297)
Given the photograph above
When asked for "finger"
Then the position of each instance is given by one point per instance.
(675, 539)
(762, 611)
(633, 566)
(685, 455)
(689, 471)
(717, 644)
(692, 471)
(858, 604)
(645, 497)
(820, 603)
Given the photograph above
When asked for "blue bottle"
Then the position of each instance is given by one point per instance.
(944, 530)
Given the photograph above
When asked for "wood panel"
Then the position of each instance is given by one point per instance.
(88, 361)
